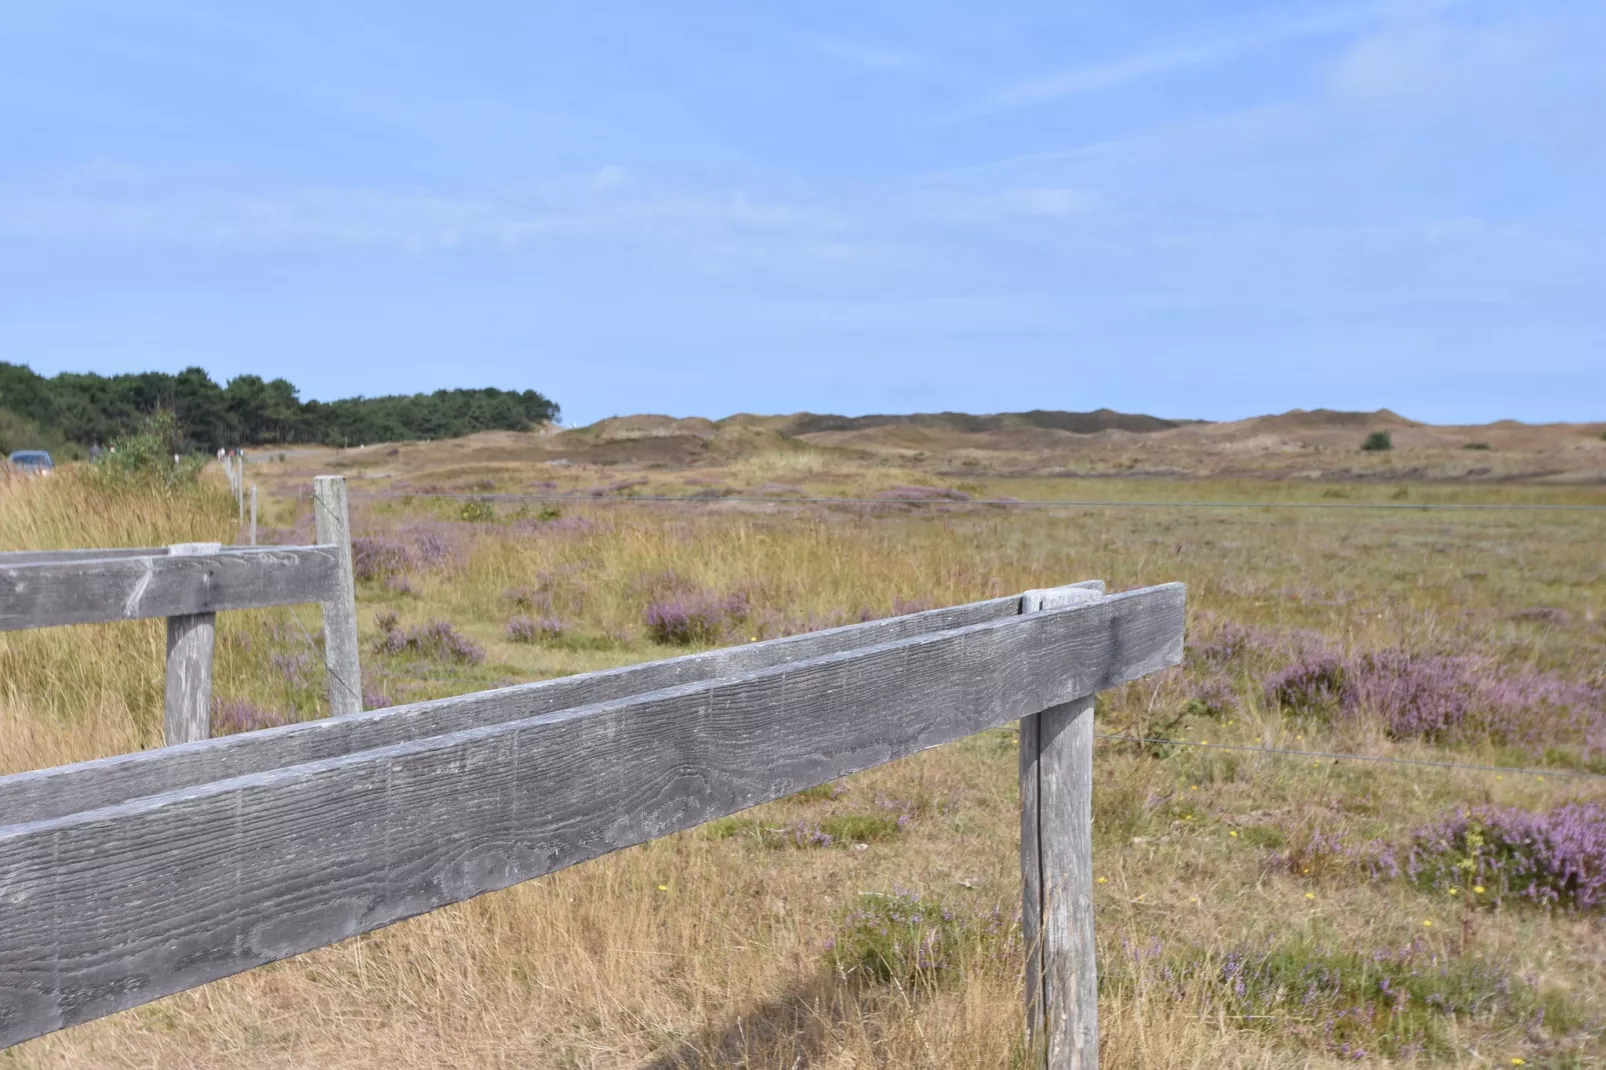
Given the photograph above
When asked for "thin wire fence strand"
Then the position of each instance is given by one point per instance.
(687, 499)
(1514, 770)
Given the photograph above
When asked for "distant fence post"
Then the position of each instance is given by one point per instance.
(340, 655)
(187, 711)
(1056, 788)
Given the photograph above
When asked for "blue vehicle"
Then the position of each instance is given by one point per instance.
(31, 463)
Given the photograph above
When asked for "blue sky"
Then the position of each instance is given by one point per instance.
(1191, 208)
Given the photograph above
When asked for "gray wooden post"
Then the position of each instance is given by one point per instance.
(253, 514)
(340, 654)
(1056, 854)
(187, 711)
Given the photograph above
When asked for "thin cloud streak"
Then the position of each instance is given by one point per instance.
(1170, 59)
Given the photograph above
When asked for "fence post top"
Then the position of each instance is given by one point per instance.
(1034, 601)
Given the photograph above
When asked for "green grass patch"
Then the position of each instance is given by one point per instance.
(915, 941)
(1402, 1003)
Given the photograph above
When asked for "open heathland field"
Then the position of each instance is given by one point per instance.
(1253, 909)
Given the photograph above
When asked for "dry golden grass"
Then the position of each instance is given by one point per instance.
(710, 948)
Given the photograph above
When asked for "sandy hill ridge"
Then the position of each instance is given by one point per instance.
(1320, 444)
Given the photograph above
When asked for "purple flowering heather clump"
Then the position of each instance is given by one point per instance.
(292, 666)
(1224, 643)
(437, 639)
(695, 618)
(522, 629)
(1556, 858)
(374, 557)
(233, 715)
(1441, 697)
(439, 546)
(1417, 695)
(1315, 685)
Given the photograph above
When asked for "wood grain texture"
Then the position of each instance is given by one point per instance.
(42, 557)
(187, 709)
(341, 657)
(1068, 998)
(1031, 882)
(104, 782)
(1043, 941)
(107, 909)
(87, 590)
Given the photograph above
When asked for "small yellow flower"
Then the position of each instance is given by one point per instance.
(1497, 776)
(1103, 880)
(1204, 742)
(1233, 834)
(1478, 888)
(1541, 779)
(1193, 787)
(663, 887)
(1195, 899)
(1455, 891)
(1310, 895)
(1428, 922)
(1517, 1060)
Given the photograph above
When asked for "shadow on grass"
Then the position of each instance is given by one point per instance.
(795, 1030)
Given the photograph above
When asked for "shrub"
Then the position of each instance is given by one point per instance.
(437, 639)
(148, 454)
(1477, 446)
(1316, 685)
(477, 511)
(695, 618)
(913, 941)
(1437, 696)
(1378, 440)
(1400, 1002)
(522, 629)
(375, 558)
(1553, 859)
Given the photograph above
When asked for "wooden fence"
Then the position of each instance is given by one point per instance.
(129, 878)
(189, 584)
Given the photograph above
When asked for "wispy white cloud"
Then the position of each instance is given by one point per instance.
(1423, 65)
(607, 203)
(1207, 49)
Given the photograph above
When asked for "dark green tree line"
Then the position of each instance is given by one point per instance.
(83, 408)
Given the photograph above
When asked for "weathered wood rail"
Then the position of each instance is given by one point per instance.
(189, 584)
(130, 878)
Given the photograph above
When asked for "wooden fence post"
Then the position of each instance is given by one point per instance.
(187, 711)
(1056, 853)
(253, 514)
(340, 655)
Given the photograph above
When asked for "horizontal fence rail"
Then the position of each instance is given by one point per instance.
(51, 792)
(256, 853)
(92, 588)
